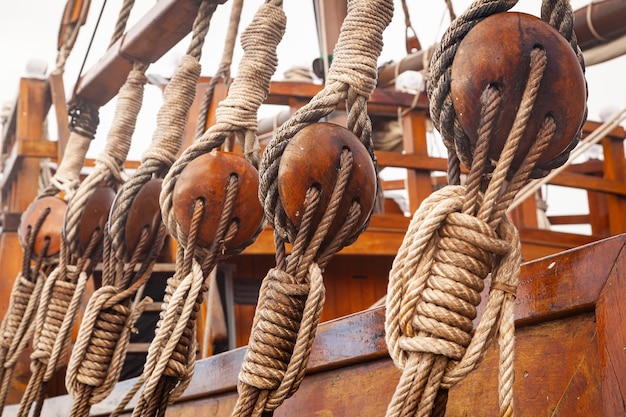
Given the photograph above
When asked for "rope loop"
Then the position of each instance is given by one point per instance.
(269, 350)
(435, 287)
(557, 13)
(100, 350)
(60, 296)
(285, 322)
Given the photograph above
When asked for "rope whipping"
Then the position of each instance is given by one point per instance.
(171, 357)
(19, 323)
(292, 294)
(101, 346)
(460, 235)
(64, 289)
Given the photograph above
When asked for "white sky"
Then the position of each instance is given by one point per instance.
(28, 30)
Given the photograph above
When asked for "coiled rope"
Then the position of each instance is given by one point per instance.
(64, 289)
(458, 236)
(29, 283)
(100, 349)
(171, 357)
(292, 294)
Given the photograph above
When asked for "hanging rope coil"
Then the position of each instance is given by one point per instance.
(459, 236)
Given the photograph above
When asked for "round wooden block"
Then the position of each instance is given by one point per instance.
(207, 178)
(144, 212)
(311, 159)
(95, 216)
(50, 228)
(497, 52)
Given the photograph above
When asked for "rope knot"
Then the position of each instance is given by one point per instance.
(61, 296)
(20, 298)
(100, 349)
(438, 276)
(278, 321)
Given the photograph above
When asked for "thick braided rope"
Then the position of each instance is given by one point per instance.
(100, 348)
(171, 356)
(223, 70)
(279, 347)
(109, 168)
(434, 288)
(289, 307)
(558, 13)
(57, 311)
(238, 112)
(17, 327)
(82, 130)
(352, 77)
(182, 294)
(167, 137)
(426, 328)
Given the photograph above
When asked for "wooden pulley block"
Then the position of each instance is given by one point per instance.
(144, 212)
(312, 159)
(497, 52)
(206, 178)
(95, 216)
(50, 228)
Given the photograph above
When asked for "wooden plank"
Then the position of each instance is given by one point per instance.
(419, 184)
(157, 32)
(57, 92)
(588, 182)
(611, 314)
(615, 170)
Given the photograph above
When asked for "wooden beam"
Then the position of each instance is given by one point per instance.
(157, 32)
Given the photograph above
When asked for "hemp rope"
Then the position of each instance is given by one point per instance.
(108, 172)
(457, 236)
(100, 349)
(64, 289)
(223, 70)
(292, 293)
(83, 123)
(171, 357)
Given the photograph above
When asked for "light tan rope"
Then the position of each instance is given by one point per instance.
(82, 129)
(223, 70)
(171, 357)
(456, 238)
(59, 305)
(100, 350)
(292, 294)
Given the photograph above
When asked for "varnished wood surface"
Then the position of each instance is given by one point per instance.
(569, 360)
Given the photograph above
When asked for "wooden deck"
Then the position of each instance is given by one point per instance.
(570, 357)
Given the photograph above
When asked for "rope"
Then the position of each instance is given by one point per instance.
(457, 237)
(61, 299)
(223, 70)
(122, 21)
(98, 356)
(171, 357)
(292, 294)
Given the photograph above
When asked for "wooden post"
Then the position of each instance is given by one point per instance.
(418, 182)
(19, 189)
(615, 169)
